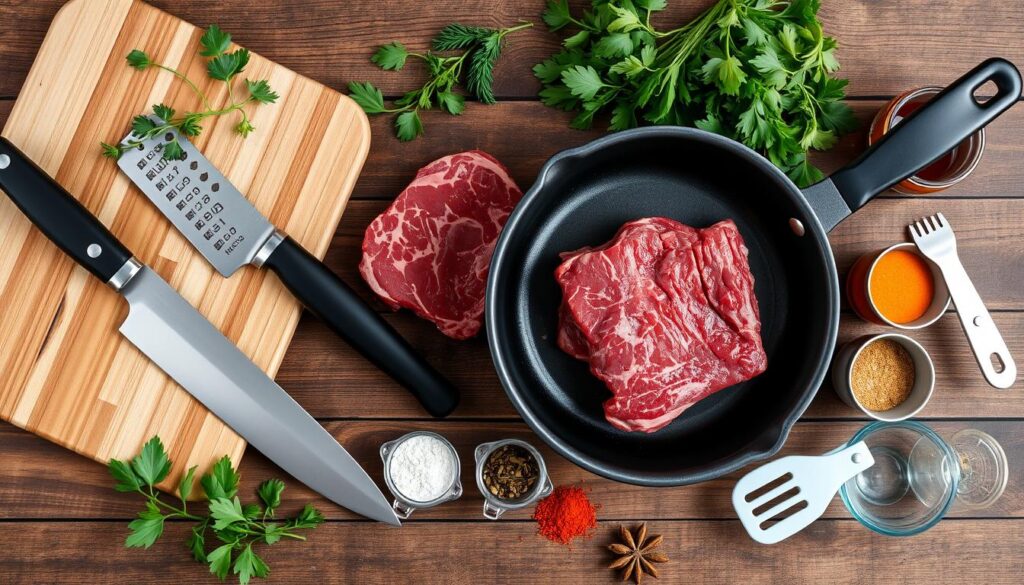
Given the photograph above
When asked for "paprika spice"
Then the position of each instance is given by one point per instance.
(565, 515)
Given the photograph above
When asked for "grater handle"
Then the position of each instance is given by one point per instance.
(331, 300)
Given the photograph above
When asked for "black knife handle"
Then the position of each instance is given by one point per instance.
(330, 299)
(59, 215)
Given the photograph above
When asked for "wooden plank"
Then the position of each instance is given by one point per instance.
(331, 380)
(66, 372)
(42, 481)
(836, 552)
(884, 47)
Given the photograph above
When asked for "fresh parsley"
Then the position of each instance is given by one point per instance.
(237, 527)
(758, 71)
(223, 65)
(479, 49)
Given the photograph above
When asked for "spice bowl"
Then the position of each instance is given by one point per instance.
(495, 506)
(843, 379)
(439, 485)
(868, 288)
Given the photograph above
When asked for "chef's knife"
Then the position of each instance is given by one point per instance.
(230, 233)
(186, 346)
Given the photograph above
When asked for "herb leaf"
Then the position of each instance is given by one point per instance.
(127, 481)
(408, 125)
(146, 528)
(152, 464)
(215, 42)
(270, 493)
(260, 91)
(227, 66)
(138, 59)
(220, 560)
(390, 56)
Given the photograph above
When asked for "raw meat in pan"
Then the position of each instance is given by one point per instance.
(665, 315)
(430, 250)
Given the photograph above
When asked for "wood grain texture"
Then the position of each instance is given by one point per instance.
(81, 489)
(835, 552)
(65, 371)
(884, 46)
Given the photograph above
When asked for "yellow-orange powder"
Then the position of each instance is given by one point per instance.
(901, 286)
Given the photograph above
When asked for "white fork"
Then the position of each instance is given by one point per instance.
(934, 237)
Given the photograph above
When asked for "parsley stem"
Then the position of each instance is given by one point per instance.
(189, 82)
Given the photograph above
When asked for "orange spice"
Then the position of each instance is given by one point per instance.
(901, 286)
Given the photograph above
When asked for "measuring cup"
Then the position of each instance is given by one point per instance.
(494, 506)
(402, 505)
(918, 476)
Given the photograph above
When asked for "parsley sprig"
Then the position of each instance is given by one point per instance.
(758, 71)
(480, 49)
(238, 527)
(223, 66)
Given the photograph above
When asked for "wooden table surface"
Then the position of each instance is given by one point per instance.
(60, 521)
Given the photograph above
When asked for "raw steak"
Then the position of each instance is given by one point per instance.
(665, 314)
(430, 250)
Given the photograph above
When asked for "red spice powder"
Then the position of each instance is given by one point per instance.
(566, 514)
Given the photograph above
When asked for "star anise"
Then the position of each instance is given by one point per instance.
(637, 554)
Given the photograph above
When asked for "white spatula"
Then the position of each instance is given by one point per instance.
(781, 498)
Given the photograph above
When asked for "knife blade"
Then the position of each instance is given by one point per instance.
(229, 232)
(186, 346)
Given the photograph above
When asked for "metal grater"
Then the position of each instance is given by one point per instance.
(200, 201)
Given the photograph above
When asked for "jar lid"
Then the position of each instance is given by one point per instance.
(983, 468)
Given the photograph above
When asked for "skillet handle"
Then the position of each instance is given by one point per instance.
(931, 131)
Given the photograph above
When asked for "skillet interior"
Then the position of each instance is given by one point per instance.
(697, 178)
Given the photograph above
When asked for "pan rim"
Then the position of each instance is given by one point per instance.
(775, 436)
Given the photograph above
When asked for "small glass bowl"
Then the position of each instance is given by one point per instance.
(494, 507)
(912, 484)
(402, 505)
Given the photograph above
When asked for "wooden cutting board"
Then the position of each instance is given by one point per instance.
(65, 371)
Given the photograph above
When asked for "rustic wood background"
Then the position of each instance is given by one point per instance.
(61, 522)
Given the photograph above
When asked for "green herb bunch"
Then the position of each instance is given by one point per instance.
(758, 71)
(239, 528)
(223, 66)
(480, 48)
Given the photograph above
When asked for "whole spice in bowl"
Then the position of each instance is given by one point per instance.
(510, 472)
(889, 377)
(510, 475)
(897, 286)
(565, 515)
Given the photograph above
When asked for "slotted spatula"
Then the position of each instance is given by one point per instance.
(934, 237)
(781, 498)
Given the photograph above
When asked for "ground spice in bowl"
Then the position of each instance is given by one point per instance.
(510, 472)
(883, 375)
(565, 515)
(902, 286)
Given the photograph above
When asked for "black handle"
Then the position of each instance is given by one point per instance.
(330, 299)
(59, 215)
(935, 128)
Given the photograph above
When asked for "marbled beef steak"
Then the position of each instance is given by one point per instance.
(665, 315)
(431, 249)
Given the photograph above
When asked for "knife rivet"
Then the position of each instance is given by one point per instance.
(94, 250)
(5, 161)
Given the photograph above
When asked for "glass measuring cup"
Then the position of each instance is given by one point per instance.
(918, 476)
(494, 506)
(403, 505)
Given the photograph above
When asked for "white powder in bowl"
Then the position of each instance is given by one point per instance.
(422, 468)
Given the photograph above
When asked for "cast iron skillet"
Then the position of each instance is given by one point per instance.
(583, 195)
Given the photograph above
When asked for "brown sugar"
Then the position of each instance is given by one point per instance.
(883, 375)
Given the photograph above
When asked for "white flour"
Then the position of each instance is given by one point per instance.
(422, 468)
